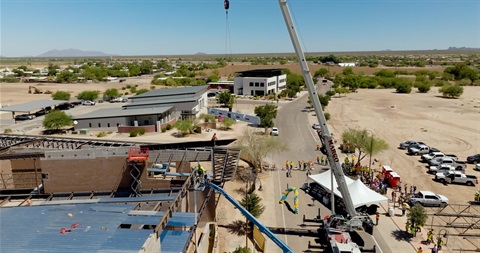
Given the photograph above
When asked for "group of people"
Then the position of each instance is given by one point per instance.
(303, 165)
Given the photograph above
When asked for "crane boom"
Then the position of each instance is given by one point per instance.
(325, 135)
(252, 218)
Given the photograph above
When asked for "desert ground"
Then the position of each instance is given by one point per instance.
(451, 125)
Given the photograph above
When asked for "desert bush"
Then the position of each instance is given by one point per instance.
(453, 91)
(439, 83)
(403, 85)
(464, 82)
(169, 127)
(142, 131)
(164, 129)
(109, 132)
(101, 134)
(327, 116)
(423, 87)
(133, 133)
(7, 131)
(330, 93)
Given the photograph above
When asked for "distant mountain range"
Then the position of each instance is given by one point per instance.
(71, 52)
(462, 48)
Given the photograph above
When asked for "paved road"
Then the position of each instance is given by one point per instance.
(302, 140)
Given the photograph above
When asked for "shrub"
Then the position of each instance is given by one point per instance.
(423, 87)
(169, 127)
(403, 85)
(7, 131)
(152, 87)
(452, 91)
(142, 131)
(133, 133)
(109, 132)
(101, 134)
(164, 129)
(439, 83)
(327, 116)
(330, 93)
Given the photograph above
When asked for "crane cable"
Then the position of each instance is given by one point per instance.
(228, 43)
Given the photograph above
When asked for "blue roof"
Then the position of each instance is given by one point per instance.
(37, 228)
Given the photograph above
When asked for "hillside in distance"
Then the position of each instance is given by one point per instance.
(72, 52)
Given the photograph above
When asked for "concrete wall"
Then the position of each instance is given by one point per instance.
(127, 129)
(86, 170)
(100, 123)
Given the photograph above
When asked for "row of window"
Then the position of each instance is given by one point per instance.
(281, 80)
(271, 83)
(100, 124)
(257, 84)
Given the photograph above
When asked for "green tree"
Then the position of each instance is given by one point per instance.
(364, 142)
(88, 95)
(61, 95)
(226, 98)
(257, 146)
(66, 77)
(322, 72)
(330, 58)
(56, 120)
(207, 117)
(452, 91)
(110, 94)
(462, 71)
(266, 113)
(185, 126)
(227, 123)
(348, 71)
(324, 100)
(423, 87)
(384, 73)
(403, 85)
(417, 215)
(253, 203)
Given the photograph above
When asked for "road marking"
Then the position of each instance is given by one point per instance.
(283, 212)
(376, 243)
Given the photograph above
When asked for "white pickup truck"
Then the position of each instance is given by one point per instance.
(448, 161)
(434, 155)
(456, 177)
(421, 149)
(428, 198)
(443, 168)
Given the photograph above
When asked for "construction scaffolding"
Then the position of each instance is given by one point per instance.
(459, 225)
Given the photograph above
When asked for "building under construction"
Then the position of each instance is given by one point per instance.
(76, 195)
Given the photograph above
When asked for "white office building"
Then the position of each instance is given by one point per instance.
(259, 82)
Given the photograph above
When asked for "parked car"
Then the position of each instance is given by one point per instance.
(473, 158)
(88, 102)
(433, 155)
(477, 166)
(316, 126)
(65, 106)
(407, 144)
(456, 177)
(274, 131)
(421, 149)
(24, 117)
(428, 198)
(118, 100)
(448, 161)
(43, 111)
(443, 168)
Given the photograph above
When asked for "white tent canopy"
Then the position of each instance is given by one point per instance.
(360, 193)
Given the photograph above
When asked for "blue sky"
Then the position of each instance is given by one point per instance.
(167, 27)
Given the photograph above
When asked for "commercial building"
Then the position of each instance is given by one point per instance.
(259, 82)
(151, 111)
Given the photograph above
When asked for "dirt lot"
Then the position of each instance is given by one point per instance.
(451, 125)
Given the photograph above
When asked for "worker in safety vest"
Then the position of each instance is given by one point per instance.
(201, 172)
(430, 234)
(439, 243)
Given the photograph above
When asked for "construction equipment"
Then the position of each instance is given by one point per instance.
(34, 90)
(355, 219)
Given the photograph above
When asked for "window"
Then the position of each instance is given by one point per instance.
(262, 84)
(99, 124)
(257, 84)
(251, 84)
(108, 124)
(89, 124)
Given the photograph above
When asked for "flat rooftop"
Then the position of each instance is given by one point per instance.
(172, 91)
(260, 73)
(101, 227)
(33, 106)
